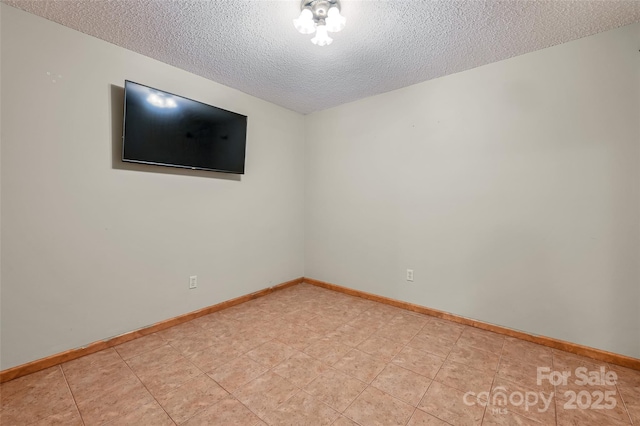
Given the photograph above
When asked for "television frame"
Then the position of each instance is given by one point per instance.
(180, 166)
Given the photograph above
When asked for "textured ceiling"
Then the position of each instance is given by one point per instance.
(251, 45)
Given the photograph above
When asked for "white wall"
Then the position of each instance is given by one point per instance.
(512, 190)
(93, 248)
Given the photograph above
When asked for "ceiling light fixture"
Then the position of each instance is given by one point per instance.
(320, 17)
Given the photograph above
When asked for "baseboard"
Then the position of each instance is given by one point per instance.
(59, 358)
(597, 354)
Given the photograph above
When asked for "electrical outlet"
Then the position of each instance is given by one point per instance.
(193, 282)
(410, 275)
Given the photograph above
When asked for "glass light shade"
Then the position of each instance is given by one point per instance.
(335, 21)
(304, 23)
(322, 37)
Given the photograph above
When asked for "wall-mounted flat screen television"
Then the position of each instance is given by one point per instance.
(164, 129)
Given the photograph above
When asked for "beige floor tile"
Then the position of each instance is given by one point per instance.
(298, 337)
(193, 342)
(634, 413)
(350, 336)
(327, 350)
(148, 414)
(115, 404)
(70, 417)
(584, 417)
(191, 397)
(88, 384)
(401, 383)
(465, 378)
(534, 403)
(593, 396)
(309, 355)
(381, 348)
(237, 372)
(336, 389)
(217, 326)
(418, 361)
(228, 411)
(241, 311)
(527, 352)
(444, 329)
(385, 311)
(299, 316)
(271, 353)
(344, 421)
(366, 324)
(139, 346)
(627, 377)
(97, 360)
(481, 339)
(168, 377)
(498, 418)
(209, 319)
(360, 365)
(265, 393)
(254, 338)
(631, 398)
(154, 359)
(342, 313)
(300, 369)
(213, 357)
(410, 319)
(436, 345)
(37, 401)
(302, 409)
(375, 408)
(565, 361)
(179, 331)
(474, 357)
(322, 325)
(276, 327)
(420, 418)
(398, 333)
(522, 374)
(449, 404)
(42, 378)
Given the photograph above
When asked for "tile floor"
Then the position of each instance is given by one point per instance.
(310, 356)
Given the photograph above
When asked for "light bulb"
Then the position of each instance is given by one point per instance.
(304, 23)
(335, 21)
(322, 37)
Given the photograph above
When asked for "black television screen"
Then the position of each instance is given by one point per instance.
(168, 130)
